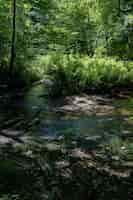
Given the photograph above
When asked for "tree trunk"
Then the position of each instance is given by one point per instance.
(12, 53)
(119, 7)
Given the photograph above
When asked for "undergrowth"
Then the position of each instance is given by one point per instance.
(72, 73)
(75, 74)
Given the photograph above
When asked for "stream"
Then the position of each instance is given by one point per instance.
(33, 113)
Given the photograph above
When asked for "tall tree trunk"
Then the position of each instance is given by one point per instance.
(119, 7)
(12, 53)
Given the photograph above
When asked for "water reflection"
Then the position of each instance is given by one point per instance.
(33, 106)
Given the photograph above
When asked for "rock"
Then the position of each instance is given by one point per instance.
(93, 138)
(62, 164)
(86, 104)
(115, 158)
(66, 174)
(89, 143)
(47, 82)
(52, 147)
(128, 164)
(53, 151)
(102, 100)
(81, 101)
(11, 132)
(103, 109)
(102, 157)
(27, 139)
(127, 134)
(5, 140)
(123, 148)
(29, 153)
(78, 154)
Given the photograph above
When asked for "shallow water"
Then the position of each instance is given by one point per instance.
(35, 113)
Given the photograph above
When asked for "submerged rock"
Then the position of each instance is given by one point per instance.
(74, 176)
(52, 147)
(127, 164)
(89, 143)
(62, 164)
(86, 104)
(78, 154)
(11, 132)
(5, 140)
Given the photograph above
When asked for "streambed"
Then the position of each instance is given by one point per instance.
(32, 113)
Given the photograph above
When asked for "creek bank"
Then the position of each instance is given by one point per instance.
(57, 170)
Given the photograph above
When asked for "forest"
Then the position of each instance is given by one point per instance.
(66, 99)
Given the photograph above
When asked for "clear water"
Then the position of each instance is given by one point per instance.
(35, 108)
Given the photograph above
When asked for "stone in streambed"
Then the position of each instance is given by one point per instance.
(62, 164)
(53, 151)
(78, 154)
(89, 143)
(52, 147)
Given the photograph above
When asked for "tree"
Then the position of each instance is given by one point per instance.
(72, 29)
(5, 7)
(115, 23)
(12, 58)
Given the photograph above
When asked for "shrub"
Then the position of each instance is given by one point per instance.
(23, 74)
(74, 74)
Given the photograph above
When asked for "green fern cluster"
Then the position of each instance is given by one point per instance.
(75, 73)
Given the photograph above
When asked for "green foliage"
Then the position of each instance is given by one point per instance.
(73, 28)
(115, 27)
(75, 73)
(83, 27)
(4, 30)
(121, 44)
